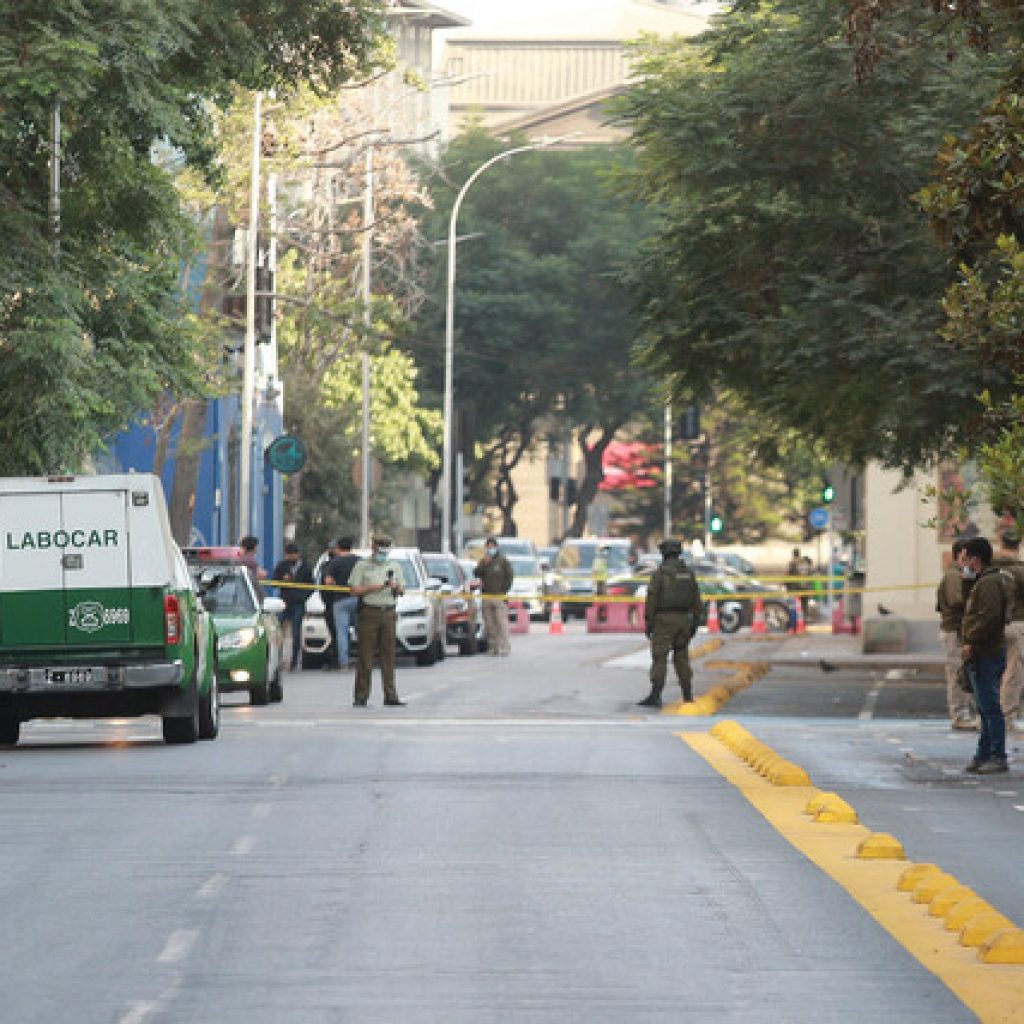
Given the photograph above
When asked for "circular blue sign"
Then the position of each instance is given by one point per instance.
(818, 518)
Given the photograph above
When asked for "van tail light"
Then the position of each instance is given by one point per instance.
(172, 620)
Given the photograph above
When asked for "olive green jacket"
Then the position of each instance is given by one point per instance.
(985, 613)
(949, 600)
(495, 574)
(1014, 569)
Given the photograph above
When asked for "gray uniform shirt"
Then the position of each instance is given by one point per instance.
(369, 573)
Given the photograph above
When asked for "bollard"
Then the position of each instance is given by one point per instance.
(518, 617)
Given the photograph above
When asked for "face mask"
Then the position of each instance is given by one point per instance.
(491, 552)
(968, 573)
(380, 556)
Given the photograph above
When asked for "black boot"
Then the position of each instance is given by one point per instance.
(653, 701)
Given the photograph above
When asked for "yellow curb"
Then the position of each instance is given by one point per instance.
(983, 927)
(1005, 947)
(946, 900)
(994, 993)
(913, 875)
(963, 911)
(881, 846)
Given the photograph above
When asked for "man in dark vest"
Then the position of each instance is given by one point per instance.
(673, 615)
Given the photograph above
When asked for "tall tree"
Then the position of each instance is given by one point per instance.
(791, 265)
(93, 324)
(543, 326)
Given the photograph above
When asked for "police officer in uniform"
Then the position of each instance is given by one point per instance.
(377, 582)
(673, 612)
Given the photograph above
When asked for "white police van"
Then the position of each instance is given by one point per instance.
(98, 617)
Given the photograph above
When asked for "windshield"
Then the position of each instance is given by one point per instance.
(581, 556)
(410, 578)
(524, 565)
(443, 569)
(230, 595)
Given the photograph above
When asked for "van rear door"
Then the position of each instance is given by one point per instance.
(32, 608)
(95, 559)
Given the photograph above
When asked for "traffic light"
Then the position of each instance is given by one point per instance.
(828, 492)
(716, 523)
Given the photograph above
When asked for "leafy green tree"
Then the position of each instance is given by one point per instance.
(790, 265)
(543, 329)
(93, 322)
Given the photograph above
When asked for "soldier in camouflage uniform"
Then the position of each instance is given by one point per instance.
(673, 612)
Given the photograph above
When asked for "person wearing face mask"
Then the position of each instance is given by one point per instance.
(377, 582)
(495, 574)
(1008, 560)
(984, 651)
(949, 603)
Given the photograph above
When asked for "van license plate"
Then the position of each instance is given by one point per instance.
(69, 676)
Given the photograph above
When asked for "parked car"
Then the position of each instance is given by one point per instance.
(574, 568)
(478, 604)
(474, 548)
(462, 613)
(531, 585)
(420, 628)
(250, 640)
(733, 561)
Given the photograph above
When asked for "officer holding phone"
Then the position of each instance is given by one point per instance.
(377, 582)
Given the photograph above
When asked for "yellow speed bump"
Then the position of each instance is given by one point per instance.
(912, 875)
(881, 846)
(785, 773)
(983, 927)
(836, 810)
(947, 899)
(1005, 947)
(960, 913)
(930, 885)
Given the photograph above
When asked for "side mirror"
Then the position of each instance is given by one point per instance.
(273, 605)
(207, 579)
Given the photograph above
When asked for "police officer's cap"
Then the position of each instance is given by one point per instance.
(381, 540)
(670, 547)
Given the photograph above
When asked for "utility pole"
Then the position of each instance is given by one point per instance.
(249, 352)
(364, 455)
(667, 475)
(55, 181)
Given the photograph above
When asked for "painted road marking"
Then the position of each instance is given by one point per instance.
(992, 992)
(211, 887)
(178, 946)
(243, 846)
(868, 711)
(137, 1013)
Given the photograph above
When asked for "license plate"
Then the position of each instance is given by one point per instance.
(69, 676)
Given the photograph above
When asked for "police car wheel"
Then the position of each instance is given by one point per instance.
(10, 729)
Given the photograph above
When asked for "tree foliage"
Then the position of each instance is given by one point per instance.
(543, 329)
(94, 328)
(790, 265)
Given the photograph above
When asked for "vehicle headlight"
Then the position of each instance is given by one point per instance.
(238, 640)
(460, 605)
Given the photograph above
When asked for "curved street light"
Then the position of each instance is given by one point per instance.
(449, 335)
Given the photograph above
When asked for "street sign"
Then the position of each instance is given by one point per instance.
(818, 518)
(287, 454)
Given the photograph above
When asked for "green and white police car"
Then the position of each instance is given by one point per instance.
(98, 617)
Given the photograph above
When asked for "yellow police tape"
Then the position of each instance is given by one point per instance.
(765, 595)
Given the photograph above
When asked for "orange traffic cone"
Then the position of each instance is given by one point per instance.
(759, 623)
(555, 624)
(713, 623)
(801, 625)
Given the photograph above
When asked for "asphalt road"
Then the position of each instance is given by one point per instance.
(520, 843)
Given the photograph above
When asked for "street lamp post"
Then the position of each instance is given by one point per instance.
(449, 338)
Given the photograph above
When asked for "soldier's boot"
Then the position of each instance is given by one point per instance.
(687, 688)
(651, 701)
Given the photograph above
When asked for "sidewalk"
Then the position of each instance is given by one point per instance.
(844, 651)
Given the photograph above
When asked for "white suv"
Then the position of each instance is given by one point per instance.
(420, 629)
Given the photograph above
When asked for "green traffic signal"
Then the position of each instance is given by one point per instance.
(716, 524)
(828, 493)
